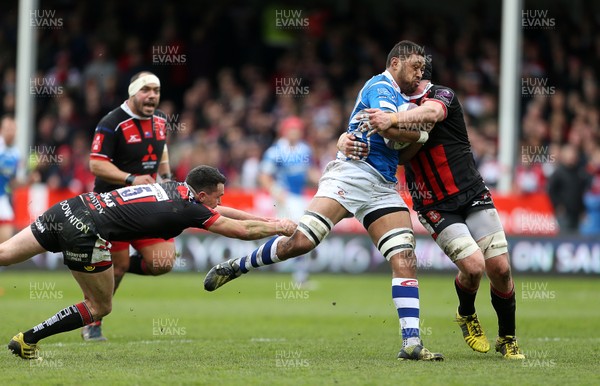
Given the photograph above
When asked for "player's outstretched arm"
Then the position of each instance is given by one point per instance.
(251, 229)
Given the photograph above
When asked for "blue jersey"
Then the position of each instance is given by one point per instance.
(9, 161)
(289, 165)
(382, 92)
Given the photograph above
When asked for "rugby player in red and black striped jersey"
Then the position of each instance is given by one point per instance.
(82, 226)
(454, 205)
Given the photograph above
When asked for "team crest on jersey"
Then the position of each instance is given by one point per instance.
(444, 95)
(434, 216)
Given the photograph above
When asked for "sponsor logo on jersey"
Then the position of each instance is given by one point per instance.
(133, 138)
(444, 95)
(159, 128)
(97, 144)
(131, 132)
(150, 156)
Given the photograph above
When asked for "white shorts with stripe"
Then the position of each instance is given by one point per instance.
(359, 188)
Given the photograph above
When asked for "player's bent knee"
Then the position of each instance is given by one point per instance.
(493, 245)
(315, 227)
(398, 241)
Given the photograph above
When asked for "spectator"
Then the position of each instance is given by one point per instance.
(591, 198)
(566, 187)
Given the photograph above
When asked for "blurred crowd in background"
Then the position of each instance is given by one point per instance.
(232, 70)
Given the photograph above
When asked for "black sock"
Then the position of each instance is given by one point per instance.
(137, 265)
(505, 306)
(466, 299)
(70, 318)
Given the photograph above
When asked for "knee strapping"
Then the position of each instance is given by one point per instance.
(493, 245)
(396, 240)
(460, 247)
(314, 226)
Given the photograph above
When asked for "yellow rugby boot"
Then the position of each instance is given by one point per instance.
(473, 332)
(509, 348)
(25, 350)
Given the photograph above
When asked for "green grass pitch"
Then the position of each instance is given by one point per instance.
(262, 330)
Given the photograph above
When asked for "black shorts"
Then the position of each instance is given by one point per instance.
(456, 209)
(67, 227)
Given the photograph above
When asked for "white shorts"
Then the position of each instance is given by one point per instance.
(6, 210)
(358, 188)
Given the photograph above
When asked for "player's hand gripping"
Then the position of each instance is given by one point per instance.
(351, 147)
(375, 121)
(286, 227)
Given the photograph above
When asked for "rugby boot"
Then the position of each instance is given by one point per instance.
(473, 332)
(221, 274)
(419, 353)
(93, 332)
(509, 348)
(25, 350)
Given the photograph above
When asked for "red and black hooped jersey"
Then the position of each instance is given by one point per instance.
(147, 211)
(132, 144)
(445, 165)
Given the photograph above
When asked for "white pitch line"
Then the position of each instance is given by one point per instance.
(154, 341)
(267, 340)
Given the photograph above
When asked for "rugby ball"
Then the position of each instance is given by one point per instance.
(400, 145)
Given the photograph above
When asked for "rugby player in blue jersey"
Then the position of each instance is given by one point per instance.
(285, 170)
(365, 189)
(455, 206)
(9, 162)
